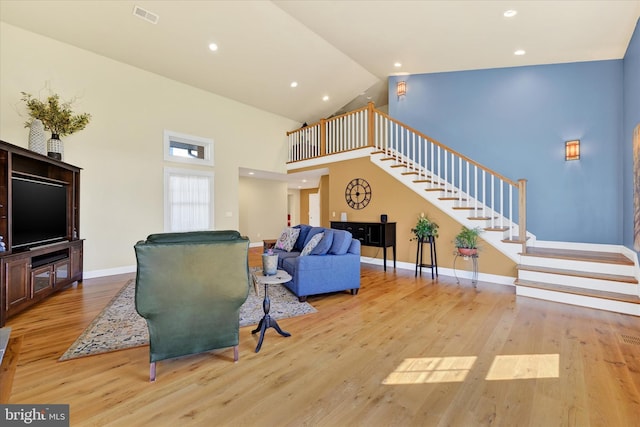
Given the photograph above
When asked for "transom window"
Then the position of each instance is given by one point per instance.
(182, 148)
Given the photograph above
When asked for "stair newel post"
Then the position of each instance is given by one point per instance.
(370, 124)
(323, 137)
(522, 213)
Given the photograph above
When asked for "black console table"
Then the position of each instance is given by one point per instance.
(376, 234)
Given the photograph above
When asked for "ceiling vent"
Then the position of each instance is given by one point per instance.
(145, 14)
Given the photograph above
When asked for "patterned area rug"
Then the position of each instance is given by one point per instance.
(119, 326)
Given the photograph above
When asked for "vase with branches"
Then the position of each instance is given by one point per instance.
(57, 118)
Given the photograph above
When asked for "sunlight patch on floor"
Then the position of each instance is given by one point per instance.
(431, 370)
(425, 370)
(524, 366)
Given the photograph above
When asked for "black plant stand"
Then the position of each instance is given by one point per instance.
(431, 241)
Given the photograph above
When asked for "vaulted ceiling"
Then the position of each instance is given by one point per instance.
(344, 50)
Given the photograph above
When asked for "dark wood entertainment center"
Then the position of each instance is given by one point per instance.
(32, 273)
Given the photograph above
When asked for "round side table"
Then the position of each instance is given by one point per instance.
(267, 321)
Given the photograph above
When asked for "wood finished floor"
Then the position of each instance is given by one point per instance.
(404, 351)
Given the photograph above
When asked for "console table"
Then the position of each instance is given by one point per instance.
(376, 234)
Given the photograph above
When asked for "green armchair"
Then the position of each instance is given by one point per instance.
(189, 288)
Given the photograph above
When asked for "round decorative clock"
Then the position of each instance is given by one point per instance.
(358, 193)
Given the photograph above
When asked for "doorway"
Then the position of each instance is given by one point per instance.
(314, 209)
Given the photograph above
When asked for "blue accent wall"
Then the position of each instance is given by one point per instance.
(631, 120)
(516, 120)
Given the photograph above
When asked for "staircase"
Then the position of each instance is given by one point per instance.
(588, 275)
(598, 276)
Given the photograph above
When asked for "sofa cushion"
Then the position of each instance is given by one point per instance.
(287, 239)
(304, 230)
(323, 246)
(341, 242)
(312, 232)
(311, 245)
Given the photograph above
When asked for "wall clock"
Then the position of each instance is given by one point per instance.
(358, 193)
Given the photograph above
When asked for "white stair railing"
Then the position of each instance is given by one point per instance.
(489, 196)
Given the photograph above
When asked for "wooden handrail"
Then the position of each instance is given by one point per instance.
(323, 143)
(458, 154)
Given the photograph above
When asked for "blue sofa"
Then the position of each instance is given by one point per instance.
(332, 266)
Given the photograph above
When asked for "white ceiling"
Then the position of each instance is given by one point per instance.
(340, 48)
(336, 48)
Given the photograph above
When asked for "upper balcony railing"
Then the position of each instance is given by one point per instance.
(491, 196)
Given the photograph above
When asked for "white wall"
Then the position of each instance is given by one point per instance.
(120, 151)
(262, 215)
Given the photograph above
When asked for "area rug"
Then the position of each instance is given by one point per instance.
(119, 326)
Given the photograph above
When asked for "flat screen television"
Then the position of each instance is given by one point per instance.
(39, 212)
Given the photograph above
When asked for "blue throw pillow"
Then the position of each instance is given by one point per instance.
(341, 242)
(322, 248)
(302, 237)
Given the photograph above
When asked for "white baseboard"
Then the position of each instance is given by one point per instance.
(462, 274)
(109, 272)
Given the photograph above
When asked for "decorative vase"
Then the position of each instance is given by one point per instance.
(37, 138)
(55, 148)
(269, 264)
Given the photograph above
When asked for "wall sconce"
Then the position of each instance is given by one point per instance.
(401, 88)
(572, 150)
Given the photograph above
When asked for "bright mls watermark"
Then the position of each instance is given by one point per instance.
(34, 415)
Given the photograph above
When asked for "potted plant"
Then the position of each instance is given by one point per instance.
(57, 118)
(467, 241)
(424, 228)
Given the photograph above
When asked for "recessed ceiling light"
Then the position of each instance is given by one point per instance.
(304, 180)
(294, 84)
(252, 173)
(519, 52)
(397, 65)
(510, 13)
(213, 47)
(325, 98)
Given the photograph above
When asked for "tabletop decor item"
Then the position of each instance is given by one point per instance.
(269, 263)
(37, 138)
(57, 118)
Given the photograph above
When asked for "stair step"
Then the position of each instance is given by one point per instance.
(579, 255)
(480, 218)
(426, 181)
(439, 189)
(378, 152)
(464, 208)
(386, 159)
(410, 173)
(634, 299)
(514, 239)
(399, 165)
(575, 273)
(505, 228)
(452, 198)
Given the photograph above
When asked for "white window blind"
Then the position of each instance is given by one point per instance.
(188, 204)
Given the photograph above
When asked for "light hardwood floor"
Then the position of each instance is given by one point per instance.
(404, 351)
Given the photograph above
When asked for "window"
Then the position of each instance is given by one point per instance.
(188, 201)
(184, 148)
